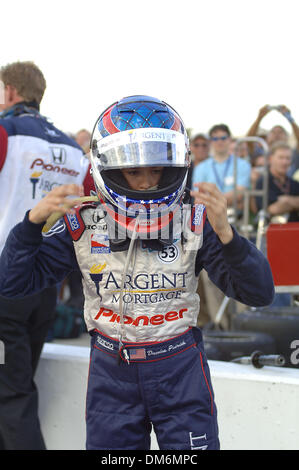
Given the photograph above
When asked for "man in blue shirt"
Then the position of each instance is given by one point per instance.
(219, 168)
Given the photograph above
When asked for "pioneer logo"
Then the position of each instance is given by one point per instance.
(143, 319)
(39, 162)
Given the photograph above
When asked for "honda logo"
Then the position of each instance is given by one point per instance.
(59, 155)
(97, 216)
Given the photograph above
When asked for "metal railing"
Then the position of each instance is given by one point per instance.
(243, 225)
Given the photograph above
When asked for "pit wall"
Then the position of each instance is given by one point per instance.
(257, 409)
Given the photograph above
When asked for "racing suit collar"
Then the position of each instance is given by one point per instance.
(30, 107)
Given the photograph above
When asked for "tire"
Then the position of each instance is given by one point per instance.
(233, 344)
(282, 323)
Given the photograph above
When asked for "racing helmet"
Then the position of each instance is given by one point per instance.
(140, 131)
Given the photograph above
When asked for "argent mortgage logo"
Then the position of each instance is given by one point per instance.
(2, 353)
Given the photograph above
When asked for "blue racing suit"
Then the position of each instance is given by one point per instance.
(162, 383)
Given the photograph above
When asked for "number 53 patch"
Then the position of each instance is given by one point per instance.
(169, 254)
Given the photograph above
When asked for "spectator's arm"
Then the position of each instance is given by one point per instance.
(253, 131)
(255, 126)
(287, 114)
(295, 128)
(284, 204)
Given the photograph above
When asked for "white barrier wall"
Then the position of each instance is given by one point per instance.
(257, 409)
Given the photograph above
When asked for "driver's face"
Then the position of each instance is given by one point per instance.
(143, 179)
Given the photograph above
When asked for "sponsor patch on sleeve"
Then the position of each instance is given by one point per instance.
(100, 243)
(198, 217)
(75, 224)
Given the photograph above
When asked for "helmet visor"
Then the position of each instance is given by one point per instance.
(141, 147)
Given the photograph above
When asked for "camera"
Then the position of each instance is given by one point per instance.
(270, 108)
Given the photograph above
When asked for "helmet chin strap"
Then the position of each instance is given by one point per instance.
(122, 306)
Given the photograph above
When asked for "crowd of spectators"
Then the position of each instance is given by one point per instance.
(213, 159)
(235, 165)
(214, 155)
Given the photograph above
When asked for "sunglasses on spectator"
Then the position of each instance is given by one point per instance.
(215, 139)
(200, 145)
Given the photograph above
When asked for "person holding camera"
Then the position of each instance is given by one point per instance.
(278, 133)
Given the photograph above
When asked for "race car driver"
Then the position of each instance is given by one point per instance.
(140, 249)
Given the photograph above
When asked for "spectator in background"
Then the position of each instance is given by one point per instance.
(257, 168)
(242, 151)
(283, 191)
(283, 196)
(233, 145)
(82, 138)
(199, 147)
(278, 133)
(219, 168)
(35, 157)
